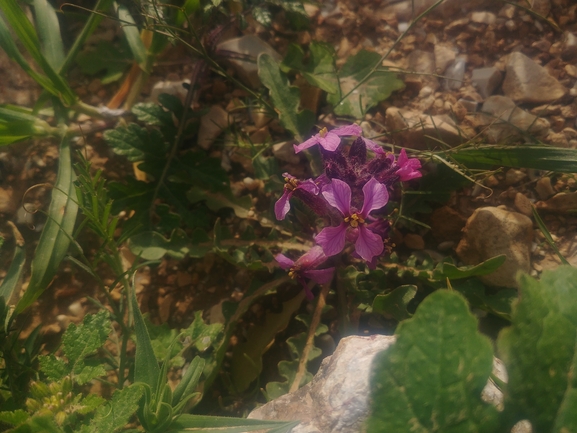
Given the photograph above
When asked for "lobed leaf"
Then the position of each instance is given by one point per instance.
(115, 414)
(395, 303)
(286, 98)
(431, 379)
(540, 353)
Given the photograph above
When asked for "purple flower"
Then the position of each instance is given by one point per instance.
(282, 206)
(367, 244)
(305, 268)
(409, 167)
(371, 145)
(329, 140)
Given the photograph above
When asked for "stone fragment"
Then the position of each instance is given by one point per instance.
(470, 106)
(526, 81)
(174, 88)
(414, 127)
(424, 63)
(514, 175)
(211, 126)
(486, 80)
(492, 231)
(542, 7)
(454, 74)
(444, 55)
(544, 188)
(523, 204)
(7, 204)
(571, 70)
(507, 11)
(569, 47)
(483, 17)
(250, 46)
(564, 202)
(337, 399)
(447, 224)
(503, 120)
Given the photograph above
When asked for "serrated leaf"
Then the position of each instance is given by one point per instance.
(56, 235)
(90, 403)
(114, 415)
(83, 340)
(54, 368)
(136, 142)
(286, 98)
(539, 351)
(14, 418)
(432, 377)
(87, 373)
(395, 303)
(378, 87)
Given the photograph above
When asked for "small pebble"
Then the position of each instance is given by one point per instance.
(414, 241)
(523, 204)
(544, 188)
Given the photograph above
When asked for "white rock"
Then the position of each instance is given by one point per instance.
(337, 399)
(503, 120)
(526, 81)
(250, 46)
(444, 55)
(174, 88)
(483, 17)
(211, 125)
(493, 231)
(486, 80)
(454, 74)
(414, 127)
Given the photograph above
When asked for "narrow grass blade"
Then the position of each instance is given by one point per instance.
(55, 237)
(548, 236)
(15, 271)
(555, 159)
(52, 82)
(132, 35)
(146, 369)
(49, 33)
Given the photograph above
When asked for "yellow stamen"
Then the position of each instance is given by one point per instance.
(291, 184)
(354, 220)
(323, 132)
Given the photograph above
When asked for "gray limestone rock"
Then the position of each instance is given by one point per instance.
(337, 399)
(493, 231)
(486, 80)
(526, 81)
(502, 120)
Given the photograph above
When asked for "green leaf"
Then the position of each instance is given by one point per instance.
(132, 35)
(539, 351)
(136, 142)
(105, 57)
(116, 413)
(14, 418)
(12, 278)
(262, 16)
(78, 342)
(320, 71)
(559, 160)
(146, 369)
(56, 235)
(189, 381)
(498, 303)
(203, 336)
(55, 369)
(449, 270)
(221, 424)
(432, 377)
(377, 88)
(49, 33)
(87, 373)
(285, 98)
(150, 245)
(395, 303)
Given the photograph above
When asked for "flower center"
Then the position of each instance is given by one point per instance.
(291, 183)
(354, 220)
(294, 272)
(323, 132)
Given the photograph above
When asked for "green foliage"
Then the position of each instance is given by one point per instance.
(286, 98)
(106, 58)
(540, 354)
(319, 71)
(359, 93)
(432, 377)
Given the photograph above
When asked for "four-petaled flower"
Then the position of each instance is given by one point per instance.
(305, 268)
(282, 206)
(409, 167)
(329, 140)
(367, 244)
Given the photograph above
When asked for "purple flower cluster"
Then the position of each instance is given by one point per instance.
(350, 189)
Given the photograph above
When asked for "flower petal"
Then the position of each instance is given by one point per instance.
(309, 186)
(282, 206)
(320, 276)
(312, 258)
(353, 129)
(409, 167)
(368, 244)
(306, 144)
(371, 145)
(284, 262)
(338, 194)
(376, 196)
(332, 239)
(330, 141)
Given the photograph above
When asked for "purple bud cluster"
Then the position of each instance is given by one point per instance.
(345, 195)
